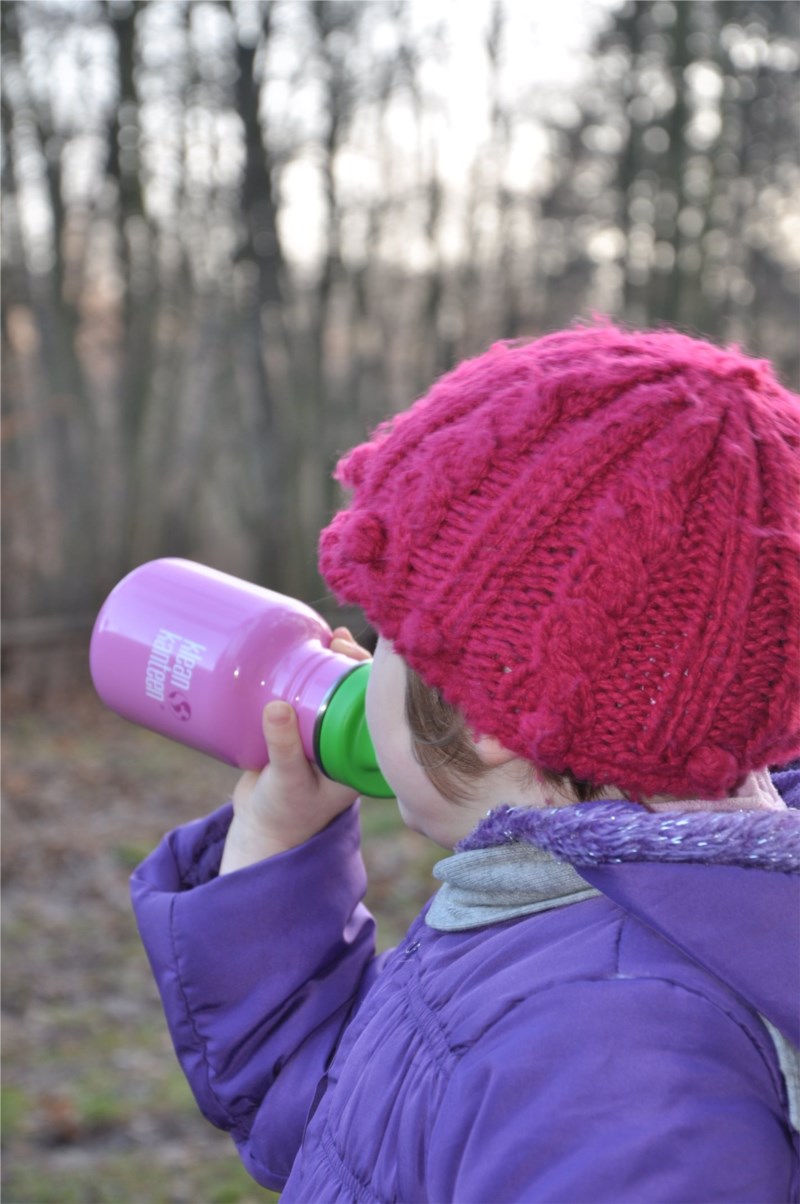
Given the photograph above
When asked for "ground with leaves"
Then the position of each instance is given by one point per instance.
(94, 1106)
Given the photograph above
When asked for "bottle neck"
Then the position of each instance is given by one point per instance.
(308, 682)
(342, 743)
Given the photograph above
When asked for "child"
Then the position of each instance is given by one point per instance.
(581, 556)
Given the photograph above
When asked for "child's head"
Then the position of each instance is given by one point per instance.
(588, 545)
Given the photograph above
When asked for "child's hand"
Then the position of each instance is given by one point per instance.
(291, 800)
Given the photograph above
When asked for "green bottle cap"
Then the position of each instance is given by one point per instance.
(342, 741)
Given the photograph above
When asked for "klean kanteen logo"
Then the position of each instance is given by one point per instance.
(171, 663)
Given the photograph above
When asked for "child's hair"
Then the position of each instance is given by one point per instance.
(588, 543)
(442, 746)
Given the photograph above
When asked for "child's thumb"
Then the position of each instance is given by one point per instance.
(282, 734)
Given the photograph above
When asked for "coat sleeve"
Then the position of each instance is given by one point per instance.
(614, 1090)
(258, 971)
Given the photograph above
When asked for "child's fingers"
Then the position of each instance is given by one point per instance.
(287, 803)
(343, 633)
(343, 641)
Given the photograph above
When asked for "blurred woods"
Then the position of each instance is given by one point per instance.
(234, 238)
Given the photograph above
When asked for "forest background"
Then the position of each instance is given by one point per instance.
(236, 235)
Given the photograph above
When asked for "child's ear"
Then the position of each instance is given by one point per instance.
(491, 751)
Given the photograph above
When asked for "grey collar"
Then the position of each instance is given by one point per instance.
(487, 886)
(519, 861)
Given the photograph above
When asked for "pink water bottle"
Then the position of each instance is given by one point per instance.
(196, 654)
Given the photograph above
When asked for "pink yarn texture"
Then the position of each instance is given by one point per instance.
(590, 543)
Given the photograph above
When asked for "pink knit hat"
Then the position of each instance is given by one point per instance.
(589, 543)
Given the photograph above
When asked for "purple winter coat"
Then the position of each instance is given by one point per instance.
(636, 1045)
